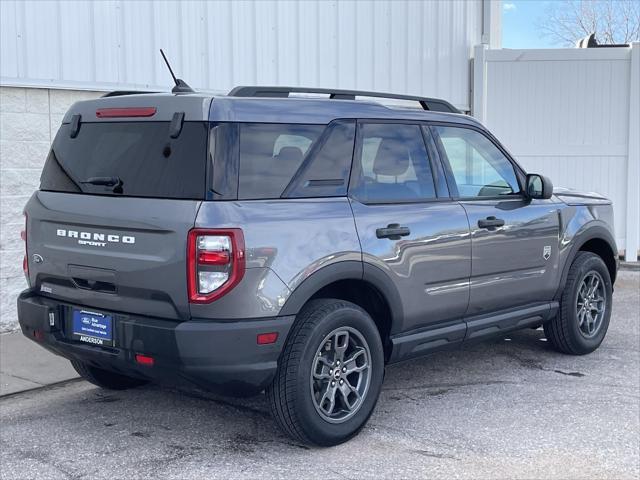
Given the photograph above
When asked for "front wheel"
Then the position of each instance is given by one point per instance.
(330, 374)
(585, 307)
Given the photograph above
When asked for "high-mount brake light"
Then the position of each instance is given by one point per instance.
(126, 112)
(215, 262)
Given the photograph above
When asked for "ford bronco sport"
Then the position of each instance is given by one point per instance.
(259, 241)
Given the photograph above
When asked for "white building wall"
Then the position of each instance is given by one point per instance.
(573, 115)
(29, 119)
(64, 51)
(402, 46)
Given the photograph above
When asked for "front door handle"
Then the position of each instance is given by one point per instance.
(393, 231)
(490, 223)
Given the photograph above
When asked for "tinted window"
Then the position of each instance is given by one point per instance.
(223, 149)
(480, 169)
(393, 164)
(270, 154)
(141, 154)
(325, 173)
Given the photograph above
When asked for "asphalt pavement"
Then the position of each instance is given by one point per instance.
(507, 408)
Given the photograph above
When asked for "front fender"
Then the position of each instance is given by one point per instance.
(577, 233)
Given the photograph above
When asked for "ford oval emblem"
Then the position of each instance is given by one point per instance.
(37, 258)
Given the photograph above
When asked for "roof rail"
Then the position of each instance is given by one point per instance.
(433, 104)
(120, 93)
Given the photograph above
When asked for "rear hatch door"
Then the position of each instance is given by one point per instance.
(108, 228)
(116, 254)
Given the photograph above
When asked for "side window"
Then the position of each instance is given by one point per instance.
(393, 165)
(270, 154)
(478, 166)
(325, 173)
(223, 158)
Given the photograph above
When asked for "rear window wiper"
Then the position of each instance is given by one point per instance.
(114, 182)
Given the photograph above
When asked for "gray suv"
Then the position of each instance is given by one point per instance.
(268, 241)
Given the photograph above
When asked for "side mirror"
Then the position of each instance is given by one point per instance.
(539, 186)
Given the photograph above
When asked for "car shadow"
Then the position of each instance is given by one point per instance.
(243, 424)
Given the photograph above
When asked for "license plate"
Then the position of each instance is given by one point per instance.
(93, 327)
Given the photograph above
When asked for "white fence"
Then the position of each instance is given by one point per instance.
(571, 114)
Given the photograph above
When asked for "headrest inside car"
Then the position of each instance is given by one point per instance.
(392, 158)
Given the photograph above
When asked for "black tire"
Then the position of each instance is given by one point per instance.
(290, 395)
(106, 379)
(564, 332)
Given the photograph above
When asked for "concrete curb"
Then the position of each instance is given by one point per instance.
(51, 386)
(24, 365)
(630, 266)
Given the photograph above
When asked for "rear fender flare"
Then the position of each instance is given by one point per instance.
(348, 270)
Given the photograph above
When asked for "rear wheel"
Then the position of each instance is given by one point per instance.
(585, 307)
(104, 378)
(330, 374)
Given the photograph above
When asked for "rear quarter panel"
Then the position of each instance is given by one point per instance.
(286, 241)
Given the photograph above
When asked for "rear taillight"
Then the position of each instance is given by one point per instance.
(25, 259)
(215, 263)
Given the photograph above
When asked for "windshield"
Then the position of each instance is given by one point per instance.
(137, 159)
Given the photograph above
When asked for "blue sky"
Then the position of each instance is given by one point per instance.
(519, 30)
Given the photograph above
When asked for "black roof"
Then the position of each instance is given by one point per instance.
(275, 105)
(432, 104)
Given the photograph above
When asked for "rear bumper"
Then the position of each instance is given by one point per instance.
(216, 355)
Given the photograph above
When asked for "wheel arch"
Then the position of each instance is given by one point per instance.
(363, 284)
(595, 239)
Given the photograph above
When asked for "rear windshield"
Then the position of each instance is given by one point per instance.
(137, 159)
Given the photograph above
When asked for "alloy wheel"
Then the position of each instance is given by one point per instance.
(340, 374)
(591, 304)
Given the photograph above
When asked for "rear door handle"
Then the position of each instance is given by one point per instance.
(490, 223)
(393, 231)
